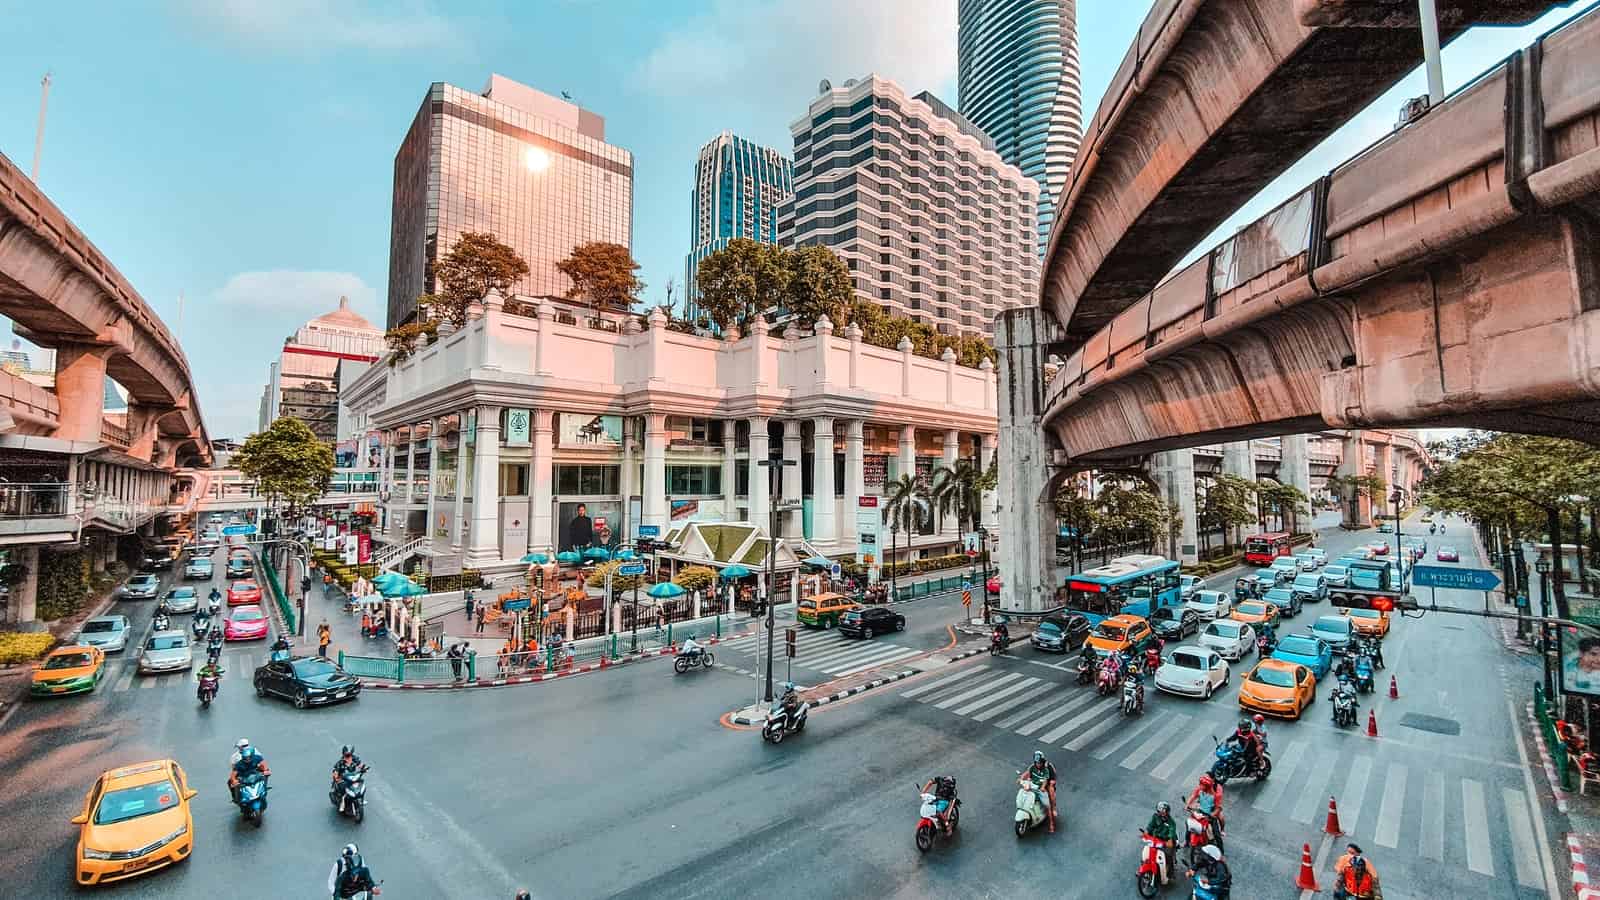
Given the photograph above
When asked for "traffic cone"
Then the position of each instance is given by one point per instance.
(1394, 688)
(1308, 879)
(1372, 724)
(1333, 819)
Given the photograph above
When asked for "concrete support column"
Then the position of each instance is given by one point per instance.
(655, 470)
(142, 431)
(1239, 459)
(458, 511)
(433, 481)
(1295, 470)
(952, 446)
(25, 596)
(855, 465)
(823, 502)
(81, 390)
(1173, 473)
(792, 522)
(1356, 506)
(760, 448)
(1027, 505)
(730, 479)
(541, 478)
(483, 546)
(907, 458)
(991, 499)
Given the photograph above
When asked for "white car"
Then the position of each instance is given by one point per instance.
(1317, 553)
(1192, 671)
(1308, 563)
(1210, 604)
(1231, 639)
(1187, 585)
(1337, 575)
(109, 633)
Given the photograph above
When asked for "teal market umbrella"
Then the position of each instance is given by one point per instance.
(387, 578)
(401, 589)
(666, 590)
(569, 558)
(820, 562)
(537, 559)
(626, 553)
(597, 553)
(735, 571)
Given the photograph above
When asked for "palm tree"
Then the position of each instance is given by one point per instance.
(957, 491)
(906, 507)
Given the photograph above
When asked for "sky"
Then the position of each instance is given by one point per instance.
(239, 154)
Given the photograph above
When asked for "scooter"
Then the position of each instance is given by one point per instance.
(1344, 704)
(1106, 680)
(160, 622)
(252, 800)
(928, 824)
(349, 795)
(1085, 672)
(780, 724)
(1198, 834)
(1202, 888)
(1033, 804)
(1132, 694)
(687, 661)
(1152, 874)
(207, 690)
(1363, 672)
(200, 625)
(997, 645)
(1372, 648)
(1265, 644)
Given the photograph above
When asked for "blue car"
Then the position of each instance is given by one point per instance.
(1286, 600)
(1305, 650)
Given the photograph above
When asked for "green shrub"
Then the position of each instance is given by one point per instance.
(597, 578)
(63, 583)
(19, 647)
(694, 578)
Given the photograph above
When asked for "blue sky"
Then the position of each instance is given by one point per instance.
(241, 152)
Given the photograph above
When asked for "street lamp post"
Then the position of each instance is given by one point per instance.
(773, 465)
(894, 570)
(1542, 565)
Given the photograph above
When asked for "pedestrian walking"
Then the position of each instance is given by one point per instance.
(305, 585)
(324, 638)
(482, 615)
(454, 655)
(467, 599)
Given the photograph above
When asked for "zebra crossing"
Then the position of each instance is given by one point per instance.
(126, 677)
(1392, 803)
(824, 651)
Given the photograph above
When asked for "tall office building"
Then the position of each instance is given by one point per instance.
(933, 224)
(303, 381)
(738, 186)
(1018, 80)
(533, 170)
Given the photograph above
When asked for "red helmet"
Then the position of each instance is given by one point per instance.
(1206, 782)
(1259, 719)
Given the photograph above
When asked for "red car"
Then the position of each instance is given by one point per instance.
(247, 623)
(242, 592)
(1379, 548)
(993, 585)
(1448, 554)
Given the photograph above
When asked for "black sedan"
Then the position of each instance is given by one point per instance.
(869, 621)
(1058, 633)
(307, 680)
(1175, 622)
(155, 562)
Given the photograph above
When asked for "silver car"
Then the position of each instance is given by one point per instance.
(181, 599)
(141, 587)
(166, 651)
(109, 633)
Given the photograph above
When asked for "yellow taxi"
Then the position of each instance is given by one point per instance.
(1277, 687)
(1115, 634)
(1254, 612)
(1369, 622)
(135, 820)
(74, 669)
(824, 610)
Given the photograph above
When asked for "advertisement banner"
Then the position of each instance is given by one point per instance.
(364, 547)
(684, 509)
(518, 422)
(1580, 661)
(583, 430)
(350, 549)
(869, 529)
(586, 524)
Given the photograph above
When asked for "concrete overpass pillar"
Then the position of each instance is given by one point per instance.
(1295, 468)
(1027, 484)
(1357, 506)
(81, 390)
(1239, 460)
(1173, 472)
(1386, 470)
(142, 431)
(24, 596)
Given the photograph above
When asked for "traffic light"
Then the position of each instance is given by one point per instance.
(1383, 604)
(788, 643)
(1347, 600)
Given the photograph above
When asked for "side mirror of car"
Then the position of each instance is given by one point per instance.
(190, 794)
(80, 819)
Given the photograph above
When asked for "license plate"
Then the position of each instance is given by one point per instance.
(57, 690)
(339, 696)
(136, 865)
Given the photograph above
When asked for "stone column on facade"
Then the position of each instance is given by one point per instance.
(80, 389)
(655, 470)
(1027, 505)
(948, 357)
(483, 546)
(905, 366)
(1173, 473)
(730, 480)
(1294, 469)
(541, 484)
(433, 482)
(493, 315)
(852, 333)
(760, 376)
(760, 448)
(855, 466)
(792, 520)
(411, 462)
(1355, 507)
(23, 607)
(628, 483)
(948, 524)
(823, 502)
(820, 349)
(547, 320)
(458, 509)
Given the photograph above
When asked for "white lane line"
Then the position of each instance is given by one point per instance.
(1355, 788)
(923, 689)
(1282, 773)
(1523, 853)
(900, 653)
(1024, 684)
(1476, 819)
(944, 693)
(1088, 737)
(1145, 750)
(1147, 725)
(1431, 841)
(1551, 886)
(149, 682)
(968, 694)
(1394, 803)
(1184, 750)
(1054, 714)
(1024, 697)
(1313, 796)
(1088, 713)
(1029, 711)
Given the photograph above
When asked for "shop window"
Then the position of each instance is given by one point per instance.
(587, 480)
(694, 480)
(513, 480)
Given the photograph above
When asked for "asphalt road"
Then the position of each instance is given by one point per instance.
(623, 784)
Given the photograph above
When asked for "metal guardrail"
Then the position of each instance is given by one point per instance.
(275, 584)
(400, 669)
(22, 501)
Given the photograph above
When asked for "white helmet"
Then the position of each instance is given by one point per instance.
(243, 743)
(1212, 851)
(351, 850)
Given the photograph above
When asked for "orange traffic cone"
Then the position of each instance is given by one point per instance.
(1308, 879)
(1333, 819)
(1394, 689)
(1372, 724)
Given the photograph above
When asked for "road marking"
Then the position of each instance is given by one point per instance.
(968, 694)
(945, 692)
(900, 653)
(1550, 884)
(846, 655)
(1146, 726)
(1088, 737)
(1355, 788)
(1394, 801)
(1431, 841)
(1144, 751)
(1476, 820)
(1523, 853)
(942, 681)
(1029, 711)
(1311, 797)
(1024, 697)
(1184, 750)
(1282, 774)
(1055, 714)
(124, 681)
(1024, 684)
(149, 681)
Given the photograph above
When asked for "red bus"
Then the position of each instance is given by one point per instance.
(1262, 549)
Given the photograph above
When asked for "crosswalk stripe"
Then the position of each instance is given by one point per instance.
(1037, 690)
(1431, 841)
(897, 653)
(1476, 819)
(1355, 788)
(1523, 854)
(1311, 797)
(148, 682)
(1001, 694)
(1092, 710)
(1029, 711)
(944, 692)
(1156, 740)
(1055, 714)
(124, 681)
(1184, 750)
(1088, 737)
(1282, 773)
(984, 688)
(1146, 726)
(1394, 801)
(923, 689)
(836, 653)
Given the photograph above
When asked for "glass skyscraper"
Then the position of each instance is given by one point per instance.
(738, 186)
(1018, 81)
(533, 170)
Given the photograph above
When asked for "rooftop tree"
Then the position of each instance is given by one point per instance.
(603, 275)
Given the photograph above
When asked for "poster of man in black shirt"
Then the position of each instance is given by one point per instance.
(580, 531)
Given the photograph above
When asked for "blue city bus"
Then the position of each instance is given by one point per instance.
(1132, 585)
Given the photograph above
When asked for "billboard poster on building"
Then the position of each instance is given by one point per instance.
(869, 530)
(583, 524)
(583, 430)
(517, 425)
(374, 450)
(685, 510)
(1580, 661)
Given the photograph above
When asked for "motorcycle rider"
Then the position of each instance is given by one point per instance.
(347, 762)
(1088, 659)
(791, 699)
(1215, 869)
(943, 789)
(1207, 798)
(246, 759)
(1000, 635)
(1044, 774)
(214, 643)
(1152, 656)
(1163, 829)
(1269, 632)
(690, 649)
(1357, 880)
(209, 670)
(214, 601)
(1245, 738)
(280, 649)
(349, 875)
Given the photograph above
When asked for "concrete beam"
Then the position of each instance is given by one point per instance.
(80, 390)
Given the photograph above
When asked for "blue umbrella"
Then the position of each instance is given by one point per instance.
(401, 589)
(569, 558)
(537, 559)
(626, 553)
(391, 577)
(735, 571)
(666, 590)
(821, 562)
(597, 553)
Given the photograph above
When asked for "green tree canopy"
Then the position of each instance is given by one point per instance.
(819, 285)
(477, 263)
(741, 281)
(1226, 502)
(1285, 500)
(603, 274)
(288, 463)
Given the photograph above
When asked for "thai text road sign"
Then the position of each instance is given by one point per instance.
(1452, 577)
(649, 531)
(242, 528)
(631, 569)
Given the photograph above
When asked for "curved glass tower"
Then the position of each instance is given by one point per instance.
(1018, 81)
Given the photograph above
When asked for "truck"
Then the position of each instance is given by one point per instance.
(1370, 584)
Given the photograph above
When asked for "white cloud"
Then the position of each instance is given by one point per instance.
(766, 53)
(310, 26)
(291, 294)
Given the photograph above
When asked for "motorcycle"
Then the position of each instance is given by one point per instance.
(1197, 834)
(781, 723)
(1363, 674)
(928, 821)
(1232, 763)
(1344, 704)
(687, 661)
(1085, 672)
(1132, 695)
(200, 625)
(1202, 888)
(1107, 678)
(349, 794)
(1373, 648)
(207, 690)
(377, 629)
(1265, 645)
(1033, 804)
(1152, 864)
(252, 800)
(997, 644)
(160, 622)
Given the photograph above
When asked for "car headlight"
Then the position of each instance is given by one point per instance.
(91, 853)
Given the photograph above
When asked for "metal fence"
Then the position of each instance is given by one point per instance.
(275, 584)
(1545, 712)
(401, 669)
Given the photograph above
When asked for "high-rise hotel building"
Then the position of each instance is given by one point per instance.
(738, 186)
(1017, 79)
(932, 222)
(533, 170)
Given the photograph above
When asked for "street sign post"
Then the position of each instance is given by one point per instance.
(649, 531)
(242, 528)
(636, 568)
(1454, 578)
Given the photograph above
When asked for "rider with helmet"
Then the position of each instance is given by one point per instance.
(350, 875)
(1355, 875)
(245, 759)
(1215, 870)
(1207, 798)
(1163, 829)
(1246, 739)
(1044, 774)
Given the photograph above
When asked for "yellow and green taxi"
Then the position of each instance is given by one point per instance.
(135, 820)
(1116, 634)
(823, 610)
(1254, 613)
(74, 669)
